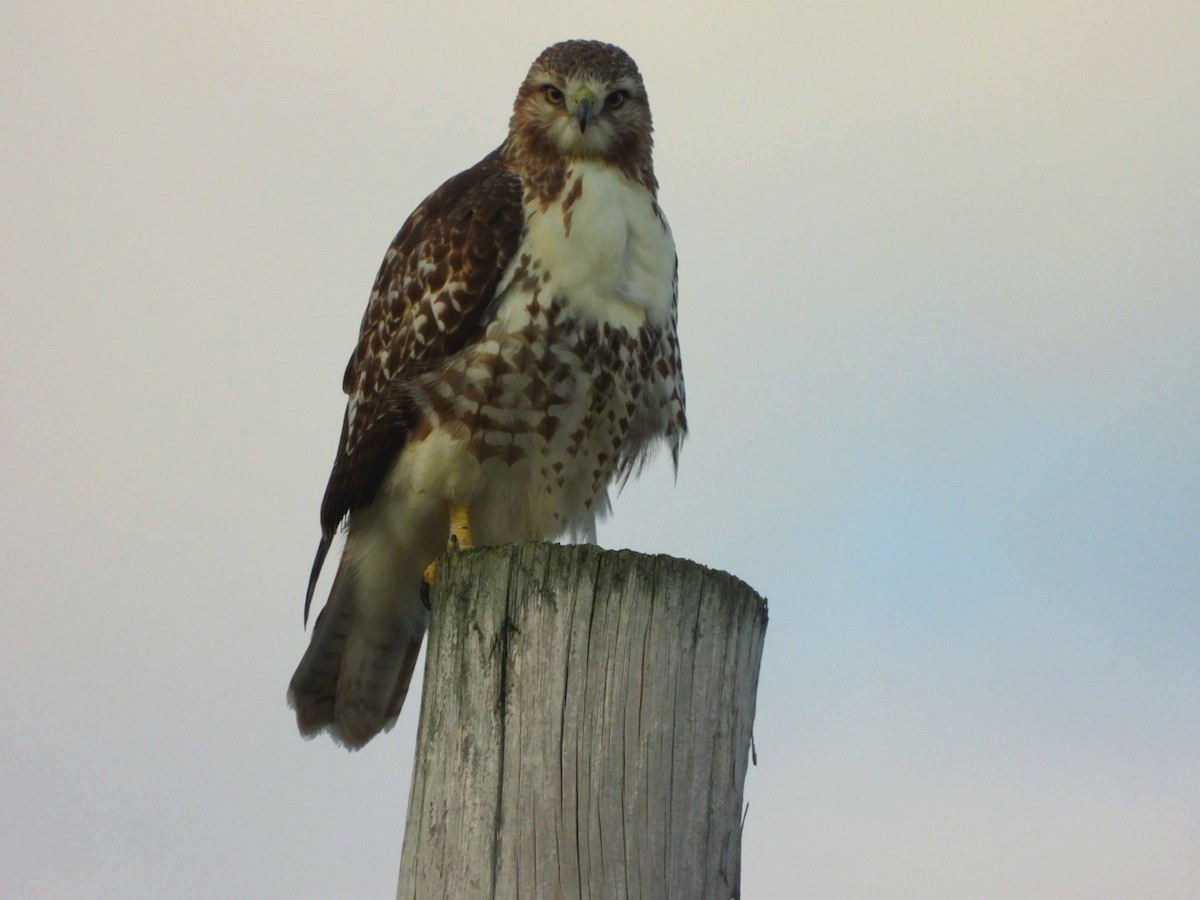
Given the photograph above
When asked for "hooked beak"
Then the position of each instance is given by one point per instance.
(586, 107)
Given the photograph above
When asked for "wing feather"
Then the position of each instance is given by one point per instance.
(436, 285)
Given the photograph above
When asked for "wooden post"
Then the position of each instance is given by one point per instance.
(585, 727)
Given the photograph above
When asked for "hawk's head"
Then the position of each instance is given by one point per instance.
(584, 100)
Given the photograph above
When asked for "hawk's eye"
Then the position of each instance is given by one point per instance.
(553, 94)
(616, 99)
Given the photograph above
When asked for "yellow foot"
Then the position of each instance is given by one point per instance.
(460, 539)
(460, 529)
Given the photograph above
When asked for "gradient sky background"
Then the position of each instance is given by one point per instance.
(940, 313)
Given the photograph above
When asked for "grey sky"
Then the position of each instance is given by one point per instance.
(940, 312)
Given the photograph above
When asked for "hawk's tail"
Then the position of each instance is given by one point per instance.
(355, 674)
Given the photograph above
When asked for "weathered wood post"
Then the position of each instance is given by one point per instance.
(585, 727)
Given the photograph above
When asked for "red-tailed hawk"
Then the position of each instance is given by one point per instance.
(518, 355)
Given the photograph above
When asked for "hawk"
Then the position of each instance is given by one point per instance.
(518, 356)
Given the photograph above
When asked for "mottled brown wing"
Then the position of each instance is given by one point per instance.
(437, 282)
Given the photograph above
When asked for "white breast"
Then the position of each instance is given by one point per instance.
(609, 254)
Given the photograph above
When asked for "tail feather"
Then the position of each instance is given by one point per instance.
(355, 674)
(372, 684)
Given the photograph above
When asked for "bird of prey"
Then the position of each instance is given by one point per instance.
(518, 356)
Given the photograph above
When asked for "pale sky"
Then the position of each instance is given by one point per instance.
(940, 314)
